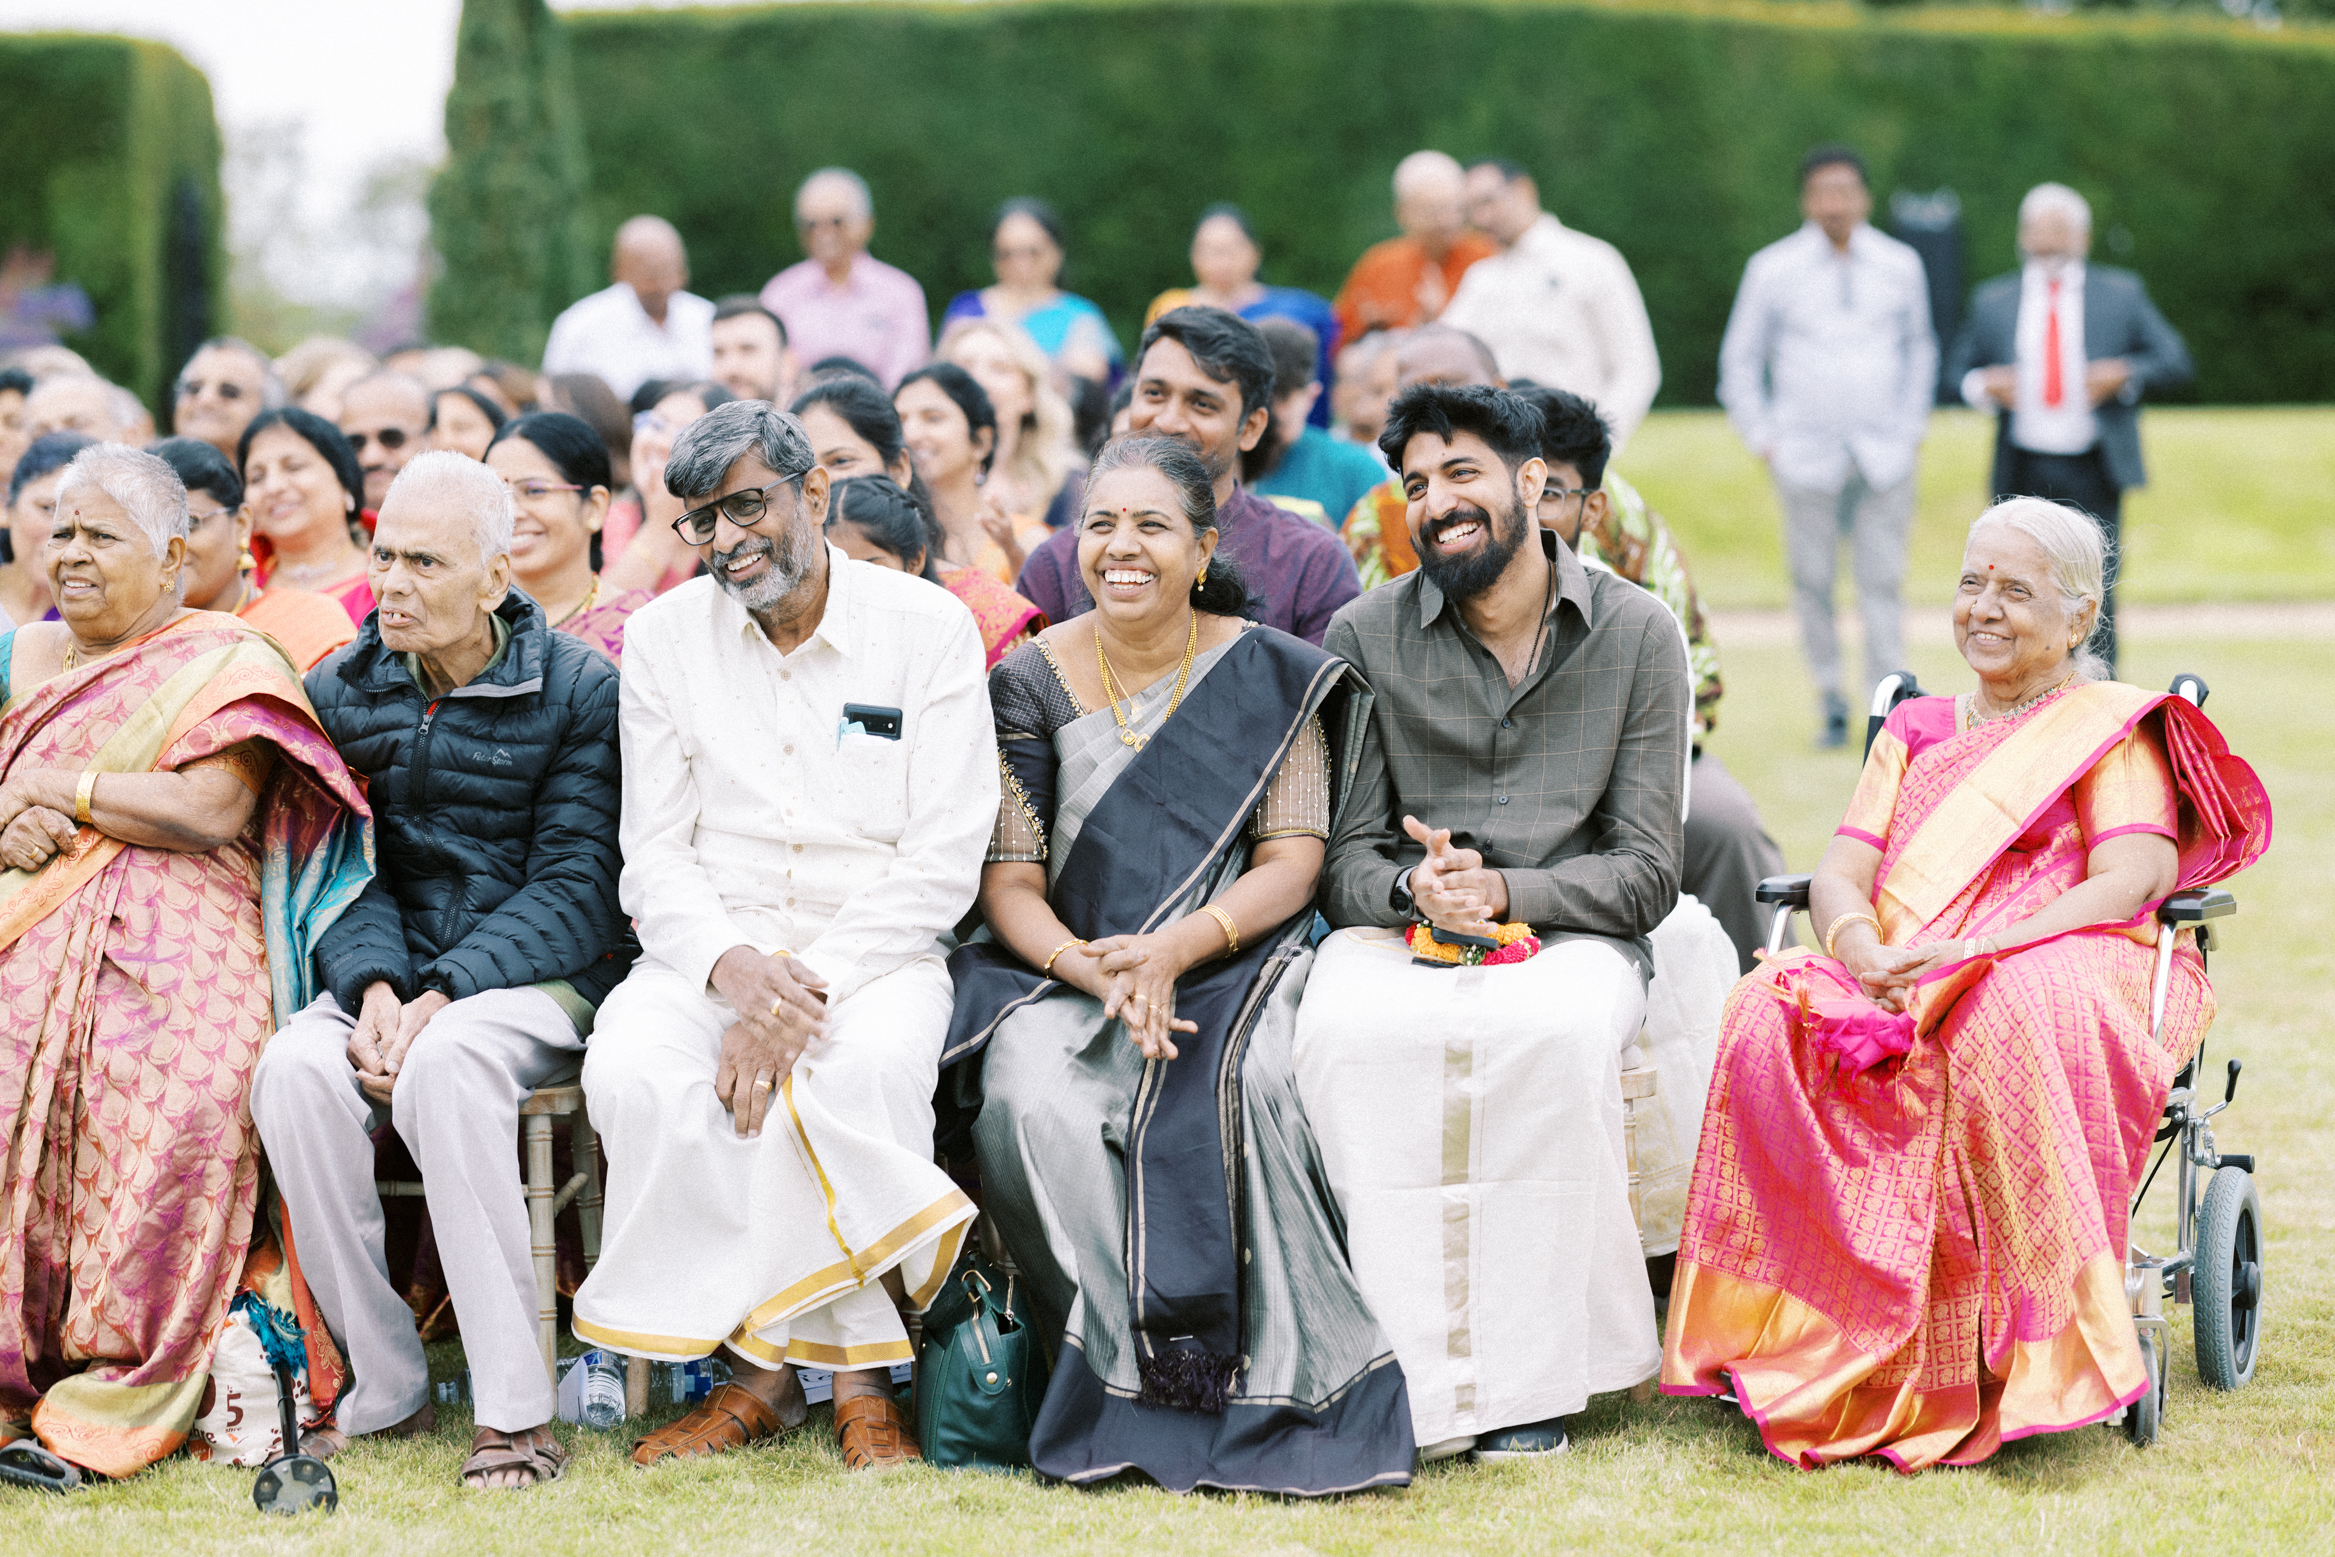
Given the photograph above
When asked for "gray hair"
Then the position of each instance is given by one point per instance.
(2057, 197)
(2077, 554)
(708, 447)
(148, 490)
(860, 193)
(271, 384)
(485, 500)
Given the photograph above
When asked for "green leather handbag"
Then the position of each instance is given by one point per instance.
(982, 1374)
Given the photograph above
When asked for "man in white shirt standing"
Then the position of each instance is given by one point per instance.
(1556, 306)
(1828, 370)
(647, 325)
(810, 780)
(2061, 351)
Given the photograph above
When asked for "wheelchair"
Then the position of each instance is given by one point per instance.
(2216, 1263)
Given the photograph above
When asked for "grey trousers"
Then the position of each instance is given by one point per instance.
(1728, 851)
(457, 1106)
(1876, 525)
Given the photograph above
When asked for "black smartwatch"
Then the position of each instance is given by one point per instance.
(1400, 899)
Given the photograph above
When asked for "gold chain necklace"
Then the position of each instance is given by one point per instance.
(1102, 663)
(1976, 718)
(582, 605)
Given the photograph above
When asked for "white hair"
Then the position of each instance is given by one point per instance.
(861, 196)
(2077, 554)
(145, 486)
(460, 480)
(1428, 167)
(2056, 197)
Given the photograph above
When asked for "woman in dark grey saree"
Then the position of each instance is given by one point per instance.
(1126, 1035)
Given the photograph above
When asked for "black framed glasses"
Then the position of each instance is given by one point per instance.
(743, 509)
(1559, 494)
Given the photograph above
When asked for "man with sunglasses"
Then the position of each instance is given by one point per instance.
(810, 782)
(223, 386)
(386, 415)
(842, 301)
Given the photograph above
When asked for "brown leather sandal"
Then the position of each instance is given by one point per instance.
(534, 1451)
(875, 1432)
(732, 1417)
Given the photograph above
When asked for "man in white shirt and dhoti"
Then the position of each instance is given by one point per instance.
(810, 777)
(1519, 783)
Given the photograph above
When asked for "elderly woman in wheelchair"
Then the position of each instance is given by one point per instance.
(1907, 1227)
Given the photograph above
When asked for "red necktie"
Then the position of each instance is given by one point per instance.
(2053, 390)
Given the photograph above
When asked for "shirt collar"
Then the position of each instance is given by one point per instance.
(1860, 240)
(838, 623)
(2034, 274)
(1572, 583)
(502, 629)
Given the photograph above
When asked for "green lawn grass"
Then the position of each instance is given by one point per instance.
(2252, 1471)
(2237, 507)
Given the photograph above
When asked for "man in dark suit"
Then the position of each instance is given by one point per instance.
(2062, 353)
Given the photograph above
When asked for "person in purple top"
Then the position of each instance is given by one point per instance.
(1205, 376)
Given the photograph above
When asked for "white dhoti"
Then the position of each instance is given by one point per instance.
(1471, 1123)
(771, 1246)
(1694, 967)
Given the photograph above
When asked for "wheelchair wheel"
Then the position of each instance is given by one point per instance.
(2229, 1279)
(2146, 1416)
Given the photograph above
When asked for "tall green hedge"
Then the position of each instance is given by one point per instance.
(507, 211)
(2208, 149)
(109, 160)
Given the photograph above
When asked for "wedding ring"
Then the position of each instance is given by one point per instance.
(762, 1083)
(778, 1006)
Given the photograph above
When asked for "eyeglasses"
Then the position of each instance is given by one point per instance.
(390, 438)
(195, 521)
(1559, 494)
(743, 509)
(537, 491)
(1028, 252)
(814, 223)
(189, 388)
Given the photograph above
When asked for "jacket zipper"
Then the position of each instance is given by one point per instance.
(415, 794)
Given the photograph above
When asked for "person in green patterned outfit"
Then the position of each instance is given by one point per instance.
(1602, 517)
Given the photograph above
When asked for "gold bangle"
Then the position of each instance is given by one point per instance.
(82, 796)
(1844, 920)
(1231, 930)
(1048, 970)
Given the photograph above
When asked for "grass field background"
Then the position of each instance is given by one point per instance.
(2252, 1471)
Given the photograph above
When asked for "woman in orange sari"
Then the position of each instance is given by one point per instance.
(1906, 1231)
(176, 831)
(221, 574)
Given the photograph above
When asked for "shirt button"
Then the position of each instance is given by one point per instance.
(786, 675)
(798, 848)
(1505, 724)
(790, 902)
(1499, 800)
(790, 751)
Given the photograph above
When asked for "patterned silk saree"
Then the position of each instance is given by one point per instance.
(137, 988)
(1926, 1260)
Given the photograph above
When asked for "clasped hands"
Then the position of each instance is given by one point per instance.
(1134, 976)
(1452, 888)
(386, 1028)
(782, 1008)
(33, 830)
(1887, 974)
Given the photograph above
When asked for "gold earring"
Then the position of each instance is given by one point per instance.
(1203, 575)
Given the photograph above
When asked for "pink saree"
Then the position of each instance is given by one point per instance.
(137, 988)
(1924, 1261)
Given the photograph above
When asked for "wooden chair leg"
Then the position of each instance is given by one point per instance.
(636, 1386)
(586, 1144)
(540, 1192)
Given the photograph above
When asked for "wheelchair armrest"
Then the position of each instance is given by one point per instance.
(2195, 906)
(1791, 891)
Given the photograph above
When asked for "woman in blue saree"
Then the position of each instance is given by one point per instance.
(1125, 1037)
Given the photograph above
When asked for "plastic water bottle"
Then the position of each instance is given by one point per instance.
(603, 1392)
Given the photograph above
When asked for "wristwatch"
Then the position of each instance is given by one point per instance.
(1400, 899)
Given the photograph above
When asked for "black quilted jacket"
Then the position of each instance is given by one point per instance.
(495, 819)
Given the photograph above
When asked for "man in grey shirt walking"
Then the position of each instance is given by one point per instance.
(1827, 371)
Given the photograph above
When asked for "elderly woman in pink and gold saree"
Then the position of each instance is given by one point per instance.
(176, 830)
(1906, 1231)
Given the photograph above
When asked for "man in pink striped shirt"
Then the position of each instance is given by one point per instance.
(842, 301)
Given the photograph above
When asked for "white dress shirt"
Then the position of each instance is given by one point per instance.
(1562, 309)
(752, 816)
(2069, 427)
(610, 334)
(1829, 362)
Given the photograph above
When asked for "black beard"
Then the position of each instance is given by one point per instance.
(1464, 578)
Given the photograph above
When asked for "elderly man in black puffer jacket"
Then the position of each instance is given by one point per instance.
(468, 972)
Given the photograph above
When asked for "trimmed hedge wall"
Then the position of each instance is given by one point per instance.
(2206, 148)
(112, 164)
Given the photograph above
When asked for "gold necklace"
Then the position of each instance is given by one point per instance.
(1977, 718)
(582, 605)
(1102, 663)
